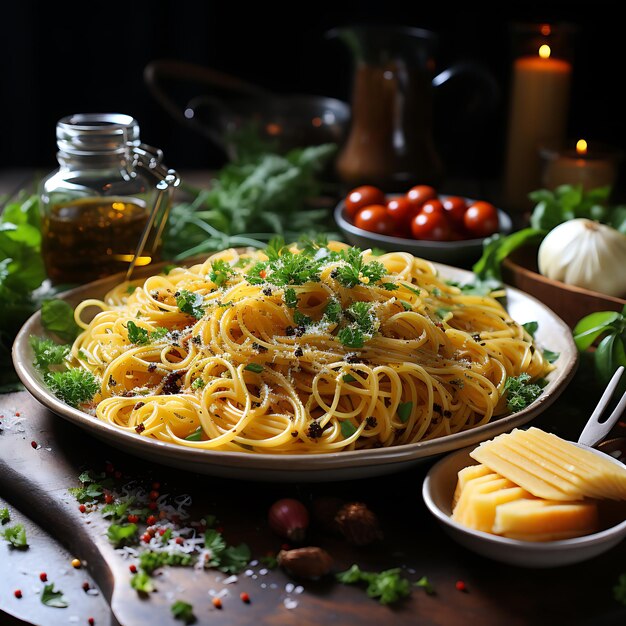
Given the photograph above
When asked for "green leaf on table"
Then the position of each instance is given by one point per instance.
(426, 586)
(5, 516)
(57, 317)
(53, 598)
(16, 536)
(115, 510)
(234, 559)
(122, 534)
(590, 327)
(609, 355)
(183, 611)
(142, 582)
(388, 586)
(150, 560)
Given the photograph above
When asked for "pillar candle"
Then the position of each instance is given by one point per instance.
(538, 115)
(584, 165)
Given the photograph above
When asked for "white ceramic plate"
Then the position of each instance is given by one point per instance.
(462, 252)
(437, 491)
(552, 333)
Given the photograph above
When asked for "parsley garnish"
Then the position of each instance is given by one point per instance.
(137, 334)
(119, 534)
(388, 586)
(354, 271)
(257, 368)
(74, 386)
(291, 298)
(57, 317)
(183, 611)
(5, 516)
(426, 586)
(190, 303)
(16, 536)
(404, 411)
(550, 356)
(50, 597)
(150, 560)
(220, 272)
(348, 378)
(332, 312)
(47, 352)
(520, 393)
(347, 429)
(198, 383)
(228, 559)
(196, 435)
(115, 510)
(351, 337)
(142, 582)
(363, 326)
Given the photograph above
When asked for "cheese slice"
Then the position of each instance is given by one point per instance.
(466, 474)
(481, 508)
(544, 520)
(464, 512)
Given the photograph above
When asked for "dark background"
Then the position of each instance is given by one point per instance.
(64, 58)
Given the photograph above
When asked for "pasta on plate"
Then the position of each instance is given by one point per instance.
(308, 348)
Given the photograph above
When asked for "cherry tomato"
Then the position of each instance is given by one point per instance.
(432, 206)
(454, 208)
(361, 197)
(432, 226)
(481, 219)
(401, 210)
(420, 193)
(375, 219)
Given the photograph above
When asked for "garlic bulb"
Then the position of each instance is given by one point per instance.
(586, 254)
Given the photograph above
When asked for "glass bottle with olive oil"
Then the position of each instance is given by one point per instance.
(97, 206)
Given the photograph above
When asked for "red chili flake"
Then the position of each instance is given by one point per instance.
(151, 520)
(133, 568)
(152, 506)
(117, 474)
(179, 541)
(108, 468)
(91, 621)
(263, 274)
(17, 413)
(17, 593)
(86, 586)
(244, 597)
(82, 508)
(153, 495)
(43, 577)
(460, 585)
(156, 486)
(146, 538)
(108, 498)
(162, 531)
(132, 518)
(217, 603)
(33, 444)
(151, 531)
(140, 428)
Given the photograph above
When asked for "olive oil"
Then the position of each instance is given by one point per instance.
(90, 238)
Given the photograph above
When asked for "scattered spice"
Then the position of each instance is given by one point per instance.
(244, 597)
(133, 568)
(460, 585)
(86, 586)
(217, 602)
(82, 508)
(76, 563)
(18, 593)
(33, 444)
(43, 577)
(140, 428)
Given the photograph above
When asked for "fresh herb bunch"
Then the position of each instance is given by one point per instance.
(250, 201)
(606, 332)
(551, 209)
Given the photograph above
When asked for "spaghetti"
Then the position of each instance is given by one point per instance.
(313, 348)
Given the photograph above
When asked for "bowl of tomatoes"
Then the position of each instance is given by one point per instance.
(439, 227)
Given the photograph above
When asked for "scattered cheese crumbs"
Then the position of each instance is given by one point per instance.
(289, 587)
(299, 589)
(249, 572)
(230, 580)
(290, 603)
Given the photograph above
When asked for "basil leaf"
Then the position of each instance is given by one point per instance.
(53, 598)
(590, 327)
(348, 378)
(531, 328)
(257, 368)
(57, 317)
(347, 429)
(404, 411)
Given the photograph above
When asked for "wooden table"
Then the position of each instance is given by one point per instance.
(496, 593)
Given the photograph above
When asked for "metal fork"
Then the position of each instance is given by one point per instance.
(595, 430)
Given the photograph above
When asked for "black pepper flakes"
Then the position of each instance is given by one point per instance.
(112, 381)
(197, 340)
(351, 357)
(437, 408)
(140, 428)
(315, 430)
(152, 367)
(447, 413)
(289, 331)
(298, 352)
(334, 273)
(258, 347)
(138, 405)
(299, 330)
(476, 337)
(371, 421)
(267, 291)
(294, 433)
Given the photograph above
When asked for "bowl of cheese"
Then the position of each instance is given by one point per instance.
(530, 498)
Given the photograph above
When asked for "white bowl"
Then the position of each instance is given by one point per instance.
(438, 489)
(463, 252)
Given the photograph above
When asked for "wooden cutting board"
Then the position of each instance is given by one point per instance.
(35, 480)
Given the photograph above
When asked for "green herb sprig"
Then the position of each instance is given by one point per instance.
(388, 586)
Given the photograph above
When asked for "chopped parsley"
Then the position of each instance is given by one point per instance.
(190, 303)
(198, 383)
(151, 560)
(426, 586)
(16, 536)
(388, 586)
(74, 386)
(5, 516)
(196, 435)
(355, 271)
(142, 582)
(121, 534)
(53, 598)
(228, 559)
(520, 393)
(291, 298)
(220, 273)
(47, 352)
(351, 337)
(363, 325)
(257, 368)
(332, 312)
(347, 429)
(183, 611)
(404, 411)
(115, 510)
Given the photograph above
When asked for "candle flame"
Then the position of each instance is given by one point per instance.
(544, 51)
(581, 147)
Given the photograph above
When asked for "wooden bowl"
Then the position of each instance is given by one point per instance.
(570, 303)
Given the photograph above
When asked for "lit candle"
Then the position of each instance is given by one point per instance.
(538, 116)
(591, 168)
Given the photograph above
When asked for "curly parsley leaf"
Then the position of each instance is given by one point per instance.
(220, 273)
(183, 611)
(388, 586)
(137, 334)
(190, 303)
(291, 298)
(47, 352)
(16, 536)
(121, 534)
(74, 386)
(228, 559)
(351, 337)
(53, 598)
(520, 392)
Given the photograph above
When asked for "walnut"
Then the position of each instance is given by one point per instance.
(358, 524)
(309, 562)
